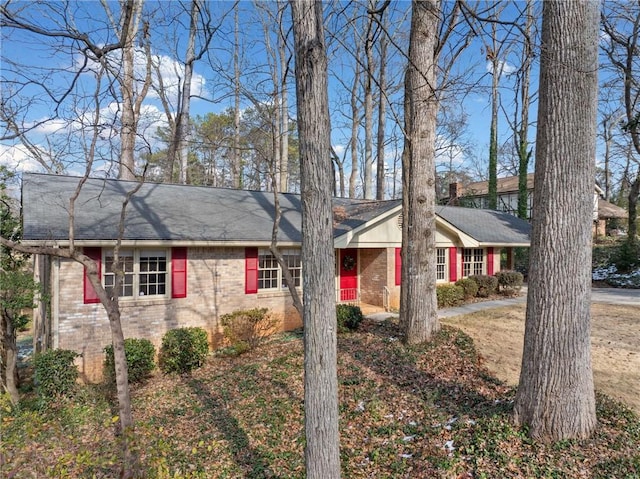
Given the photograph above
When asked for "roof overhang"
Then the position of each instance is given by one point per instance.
(343, 241)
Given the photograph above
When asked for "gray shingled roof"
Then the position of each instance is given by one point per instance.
(487, 226)
(159, 212)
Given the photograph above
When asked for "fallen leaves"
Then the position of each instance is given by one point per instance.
(431, 410)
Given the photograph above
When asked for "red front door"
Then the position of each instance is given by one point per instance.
(348, 275)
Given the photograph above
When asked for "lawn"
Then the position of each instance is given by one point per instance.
(615, 347)
(405, 412)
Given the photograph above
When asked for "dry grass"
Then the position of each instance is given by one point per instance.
(498, 335)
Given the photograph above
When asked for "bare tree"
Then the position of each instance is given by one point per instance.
(621, 23)
(555, 398)
(322, 454)
(418, 315)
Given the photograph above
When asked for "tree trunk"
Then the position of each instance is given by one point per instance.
(368, 109)
(127, 87)
(382, 116)
(524, 153)
(236, 164)
(284, 105)
(355, 123)
(556, 396)
(418, 306)
(493, 137)
(183, 126)
(322, 453)
(9, 358)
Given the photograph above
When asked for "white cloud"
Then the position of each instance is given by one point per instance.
(18, 158)
(503, 67)
(339, 149)
(172, 75)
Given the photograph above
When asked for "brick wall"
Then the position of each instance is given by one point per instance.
(377, 270)
(215, 286)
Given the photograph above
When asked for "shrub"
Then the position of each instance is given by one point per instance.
(487, 285)
(628, 256)
(349, 317)
(510, 282)
(246, 329)
(183, 350)
(449, 295)
(469, 286)
(140, 355)
(55, 373)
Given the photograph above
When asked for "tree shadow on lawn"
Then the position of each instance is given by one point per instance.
(245, 456)
(446, 372)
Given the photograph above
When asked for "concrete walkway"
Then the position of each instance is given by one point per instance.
(624, 297)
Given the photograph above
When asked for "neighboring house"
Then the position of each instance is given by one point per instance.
(192, 254)
(476, 195)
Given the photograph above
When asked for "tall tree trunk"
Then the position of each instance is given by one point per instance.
(127, 87)
(493, 137)
(418, 306)
(368, 108)
(322, 453)
(555, 397)
(236, 164)
(284, 103)
(355, 123)
(382, 115)
(524, 153)
(183, 119)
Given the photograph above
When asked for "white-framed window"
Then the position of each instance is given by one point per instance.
(270, 275)
(441, 264)
(145, 273)
(472, 261)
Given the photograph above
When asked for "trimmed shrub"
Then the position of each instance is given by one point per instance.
(510, 282)
(140, 355)
(246, 329)
(349, 317)
(449, 295)
(183, 350)
(55, 373)
(628, 256)
(487, 285)
(469, 286)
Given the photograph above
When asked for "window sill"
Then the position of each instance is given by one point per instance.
(144, 301)
(276, 293)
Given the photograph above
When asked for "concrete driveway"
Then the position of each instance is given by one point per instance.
(623, 297)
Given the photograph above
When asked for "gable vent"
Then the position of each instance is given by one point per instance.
(400, 220)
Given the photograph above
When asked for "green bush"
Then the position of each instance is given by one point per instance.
(55, 373)
(246, 329)
(510, 282)
(140, 355)
(628, 256)
(449, 295)
(487, 285)
(349, 317)
(183, 350)
(469, 286)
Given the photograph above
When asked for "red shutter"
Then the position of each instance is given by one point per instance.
(398, 266)
(250, 270)
(453, 264)
(490, 261)
(90, 295)
(178, 272)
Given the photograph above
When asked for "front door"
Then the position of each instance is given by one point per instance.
(348, 275)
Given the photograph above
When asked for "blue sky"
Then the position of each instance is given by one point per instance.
(211, 83)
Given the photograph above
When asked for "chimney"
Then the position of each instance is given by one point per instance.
(455, 189)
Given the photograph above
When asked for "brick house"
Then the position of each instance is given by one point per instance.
(192, 254)
(476, 195)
